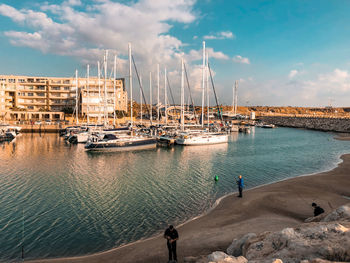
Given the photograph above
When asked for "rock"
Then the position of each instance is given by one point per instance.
(342, 213)
(318, 218)
(235, 249)
(318, 260)
(327, 240)
(217, 256)
(221, 257)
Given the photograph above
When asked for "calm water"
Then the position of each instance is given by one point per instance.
(58, 200)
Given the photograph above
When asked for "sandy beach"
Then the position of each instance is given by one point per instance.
(266, 208)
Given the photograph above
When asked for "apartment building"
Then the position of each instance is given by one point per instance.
(23, 97)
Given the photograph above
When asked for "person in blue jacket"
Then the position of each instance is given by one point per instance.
(240, 186)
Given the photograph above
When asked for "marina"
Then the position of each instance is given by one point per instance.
(174, 131)
(92, 202)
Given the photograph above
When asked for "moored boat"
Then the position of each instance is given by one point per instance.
(112, 143)
(201, 138)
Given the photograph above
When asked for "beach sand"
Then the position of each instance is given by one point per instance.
(266, 208)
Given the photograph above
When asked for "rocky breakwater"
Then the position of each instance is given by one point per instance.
(321, 239)
(314, 123)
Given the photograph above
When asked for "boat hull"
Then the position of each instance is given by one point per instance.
(203, 140)
(122, 146)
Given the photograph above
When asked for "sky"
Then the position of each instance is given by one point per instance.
(283, 53)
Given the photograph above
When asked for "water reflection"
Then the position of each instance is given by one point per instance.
(81, 202)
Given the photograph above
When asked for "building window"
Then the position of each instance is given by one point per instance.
(12, 80)
(30, 94)
(30, 107)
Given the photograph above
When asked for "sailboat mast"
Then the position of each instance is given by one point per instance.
(150, 93)
(158, 86)
(233, 98)
(203, 78)
(141, 97)
(207, 86)
(166, 97)
(99, 91)
(182, 95)
(76, 97)
(130, 84)
(88, 92)
(236, 96)
(105, 90)
(114, 80)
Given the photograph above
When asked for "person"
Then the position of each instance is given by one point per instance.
(240, 186)
(317, 209)
(171, 236)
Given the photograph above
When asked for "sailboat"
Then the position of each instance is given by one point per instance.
(123, 142)
(200, 137)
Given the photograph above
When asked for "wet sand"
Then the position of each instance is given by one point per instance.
(266, 208)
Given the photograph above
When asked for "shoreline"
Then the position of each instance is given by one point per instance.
(219, 238)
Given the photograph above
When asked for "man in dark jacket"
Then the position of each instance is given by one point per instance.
(240, 186)
(171, 235)
(317, 210)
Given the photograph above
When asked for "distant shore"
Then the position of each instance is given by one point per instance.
(266, 208)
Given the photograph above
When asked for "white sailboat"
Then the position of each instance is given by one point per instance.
(200, 137)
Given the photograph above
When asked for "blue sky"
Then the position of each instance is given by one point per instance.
(283, 52)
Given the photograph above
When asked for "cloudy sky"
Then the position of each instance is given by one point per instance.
(290, 52)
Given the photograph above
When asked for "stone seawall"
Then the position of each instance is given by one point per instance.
(322, 124)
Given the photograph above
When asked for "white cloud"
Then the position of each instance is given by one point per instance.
(79, 30)
(195, 55)
(220, 35)
(240, 59)
(103, 25)
(293, 73)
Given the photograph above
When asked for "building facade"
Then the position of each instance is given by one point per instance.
(29, 97)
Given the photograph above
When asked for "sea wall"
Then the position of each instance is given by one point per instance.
(314, 123)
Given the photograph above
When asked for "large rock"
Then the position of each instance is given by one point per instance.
(342, 213)
(235, 249)
(221, 257)
(327, 240)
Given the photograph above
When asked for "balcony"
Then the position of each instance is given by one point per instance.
(36, 81)
(33, 103)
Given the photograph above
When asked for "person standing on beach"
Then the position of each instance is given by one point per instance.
(171, 236)
(240, 185)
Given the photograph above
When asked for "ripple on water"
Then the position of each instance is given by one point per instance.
(73, 202)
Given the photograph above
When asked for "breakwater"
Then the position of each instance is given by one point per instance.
(313, 123)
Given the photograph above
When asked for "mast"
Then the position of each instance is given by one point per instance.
(203, 78)
(141, 96)
(130, 84)
(99, 91)
(88, 91)
(233, 98)
(158, 93)
(76, 97)
(105, 90)
(165, 97)
(236, 96)
(114, 80)
(150, 93)
(207, 86)
(182, 95)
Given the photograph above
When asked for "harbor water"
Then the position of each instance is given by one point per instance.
(58, 200)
